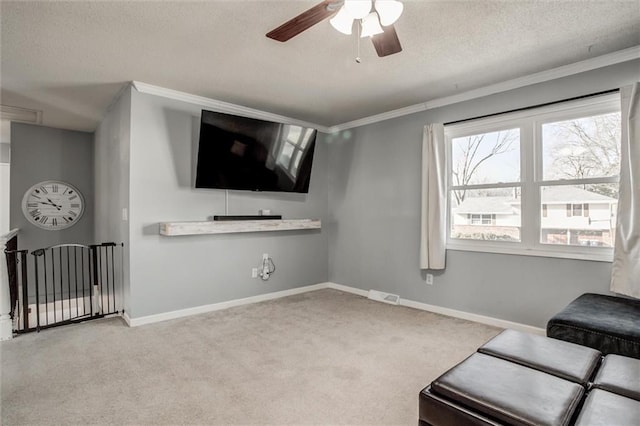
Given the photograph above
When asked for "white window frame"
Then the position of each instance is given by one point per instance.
(531, 176)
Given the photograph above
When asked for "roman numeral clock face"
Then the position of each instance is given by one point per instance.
(53, 205)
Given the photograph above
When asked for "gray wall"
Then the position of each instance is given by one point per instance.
(5, 152)
(374, 226)
(112, 182)
(172, 273)
(41, 153)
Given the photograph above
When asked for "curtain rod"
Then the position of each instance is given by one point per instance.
(606, 92)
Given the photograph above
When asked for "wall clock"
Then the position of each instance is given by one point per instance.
(53, 205)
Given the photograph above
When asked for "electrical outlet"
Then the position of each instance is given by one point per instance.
(125, 214)
(429, 279)
(254, 272)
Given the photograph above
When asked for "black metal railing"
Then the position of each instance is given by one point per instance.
(17, 272)
(71, 283)
(104, 277)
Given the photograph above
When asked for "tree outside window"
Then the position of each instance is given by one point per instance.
(572, 162)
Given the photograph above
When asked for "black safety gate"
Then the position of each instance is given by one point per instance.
(71, 283)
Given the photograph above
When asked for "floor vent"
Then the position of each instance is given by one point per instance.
(380, 296)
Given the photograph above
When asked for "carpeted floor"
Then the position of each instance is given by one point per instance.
(324, 357)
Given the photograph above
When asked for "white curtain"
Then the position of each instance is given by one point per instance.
(625, 275)
(434, 198)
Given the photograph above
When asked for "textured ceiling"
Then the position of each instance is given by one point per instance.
(70, 59)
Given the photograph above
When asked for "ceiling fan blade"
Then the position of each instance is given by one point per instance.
(304, 21)
(387, 43)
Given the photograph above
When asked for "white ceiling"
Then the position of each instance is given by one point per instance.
(70, 59)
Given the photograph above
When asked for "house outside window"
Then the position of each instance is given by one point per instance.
(540, 182)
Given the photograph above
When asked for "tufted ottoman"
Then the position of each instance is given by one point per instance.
(607, 323)
(523, 379)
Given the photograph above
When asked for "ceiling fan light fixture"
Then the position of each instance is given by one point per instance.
(342, 22)
(389, 11)
(358, 9)
(371, 25)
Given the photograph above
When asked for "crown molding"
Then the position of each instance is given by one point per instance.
(221, 106)
(411, 109)
(620, 56)
(23, 115)
(613, 58)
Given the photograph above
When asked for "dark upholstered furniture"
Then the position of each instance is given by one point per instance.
(562, 359)
(621, 375)
(607, 323)
(502, 390)
(523, 379)
(604, 408)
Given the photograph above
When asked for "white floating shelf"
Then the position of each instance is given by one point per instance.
(236, 226)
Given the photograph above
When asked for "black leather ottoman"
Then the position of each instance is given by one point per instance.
(523, 379)
(562, 359)
(614, 398)
(485, 390)
(619, 375)
(604, 408)
(606, 323)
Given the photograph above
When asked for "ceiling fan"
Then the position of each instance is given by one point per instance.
(373, 18)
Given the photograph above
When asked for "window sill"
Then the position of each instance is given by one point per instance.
(594, 254)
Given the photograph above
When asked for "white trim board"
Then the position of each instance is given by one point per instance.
(125, 317)
(590, 64)
(23, 115)
(150, 319)
(496, 322)
(613, 58)
(221, 106)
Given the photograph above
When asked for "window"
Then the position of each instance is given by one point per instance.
(482, 219)
(481, 163)
(573, 210)
(540, 182)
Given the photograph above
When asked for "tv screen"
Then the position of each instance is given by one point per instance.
(248, 154)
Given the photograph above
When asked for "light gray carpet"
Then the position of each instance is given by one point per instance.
(324, 357)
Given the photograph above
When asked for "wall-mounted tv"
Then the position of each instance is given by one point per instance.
(248, 154)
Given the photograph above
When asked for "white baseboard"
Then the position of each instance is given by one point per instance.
(496, 322)
(125, 317)
(6, 327)
(150, 319)
(347, 289)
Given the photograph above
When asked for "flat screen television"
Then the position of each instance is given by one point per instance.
(248, 154)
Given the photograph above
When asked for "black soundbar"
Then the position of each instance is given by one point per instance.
(247, 217)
